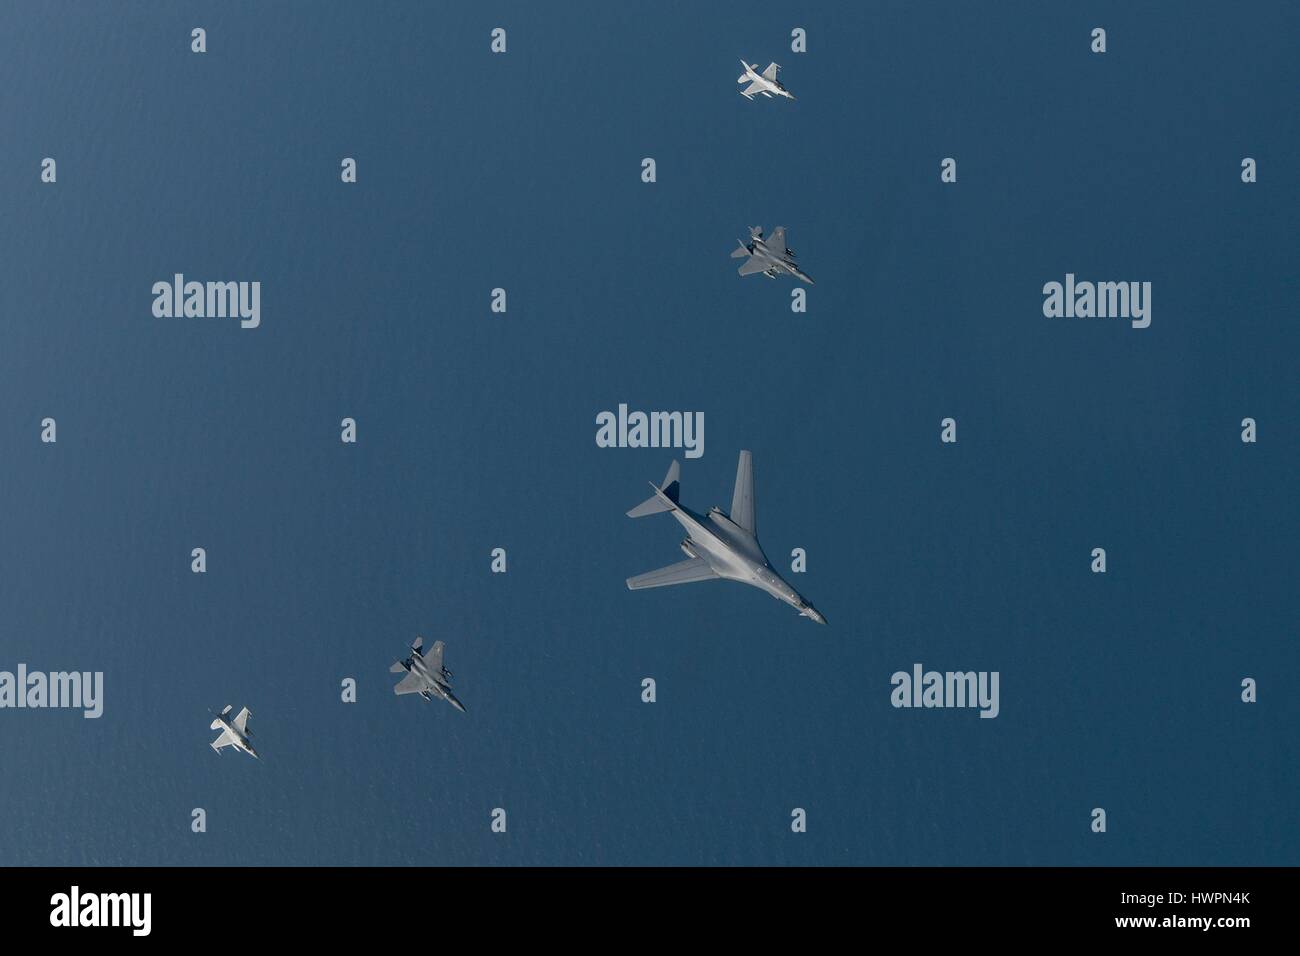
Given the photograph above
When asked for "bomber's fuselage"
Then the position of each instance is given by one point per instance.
(735, 554)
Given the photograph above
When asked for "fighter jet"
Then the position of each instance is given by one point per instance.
(765, 82)
(718, 545)
(234, 733)
(769, 256)
(425, 675)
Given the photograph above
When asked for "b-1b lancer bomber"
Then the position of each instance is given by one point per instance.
(765, 83)
(718, 545)
(234, 733)
(426, 675)
(769, 256)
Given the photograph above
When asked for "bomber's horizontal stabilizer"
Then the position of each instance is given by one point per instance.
(651, 506)
(665, 497)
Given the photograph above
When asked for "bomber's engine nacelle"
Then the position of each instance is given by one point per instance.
(690, 551)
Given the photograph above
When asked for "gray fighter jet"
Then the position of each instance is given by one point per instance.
(769, 256)
(765, 83)
(234, 733)
(718, 545)
(425, 675)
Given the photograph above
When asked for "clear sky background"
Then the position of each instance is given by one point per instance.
(477, 430)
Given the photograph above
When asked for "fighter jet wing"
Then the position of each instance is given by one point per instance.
(752, 265)
(434, 657)
(751, 89)
(776, 241)
(225, 740)
(742, 499)
(240, 722)
(410, 684)
(770, 72)
(683, 572)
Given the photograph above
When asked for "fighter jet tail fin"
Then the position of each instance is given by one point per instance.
(665, 496)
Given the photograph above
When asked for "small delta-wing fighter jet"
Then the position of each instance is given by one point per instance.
(718, 545)
(234, 733)
(765, 82)
(426, 675)
(769, 256)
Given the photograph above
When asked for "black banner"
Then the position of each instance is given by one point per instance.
(333, 905)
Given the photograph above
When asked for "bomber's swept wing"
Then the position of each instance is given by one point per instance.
(754, 264)
(683, 572)
(742, 499)
(776, 241)
(412, 683)
(241, 720)
(770, 72)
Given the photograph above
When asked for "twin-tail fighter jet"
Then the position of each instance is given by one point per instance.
(426, 675)
(769, 256)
